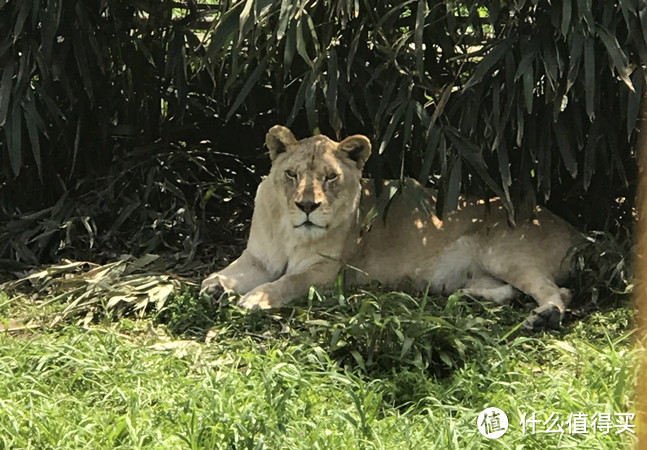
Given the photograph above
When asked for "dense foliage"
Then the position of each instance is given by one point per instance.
(136, 126)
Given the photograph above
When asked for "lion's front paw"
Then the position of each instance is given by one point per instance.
(546, 317)
(217, 295)
(214, 290)
(212, 285)
(256, 300)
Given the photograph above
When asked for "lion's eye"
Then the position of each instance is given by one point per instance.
(331, 176)
(291, 175)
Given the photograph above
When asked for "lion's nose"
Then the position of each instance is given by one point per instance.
(308, 207)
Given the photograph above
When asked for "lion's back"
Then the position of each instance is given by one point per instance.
(406, 240)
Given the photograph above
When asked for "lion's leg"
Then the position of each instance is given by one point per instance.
(241, 276)
(489, 289)
(551, 299)
(289, 287)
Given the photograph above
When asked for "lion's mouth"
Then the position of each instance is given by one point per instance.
(308, 224)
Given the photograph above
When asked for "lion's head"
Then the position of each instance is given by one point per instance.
(317, 179)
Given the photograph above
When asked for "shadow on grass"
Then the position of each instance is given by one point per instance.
(374, 331)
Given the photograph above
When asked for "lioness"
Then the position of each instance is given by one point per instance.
(309, 221)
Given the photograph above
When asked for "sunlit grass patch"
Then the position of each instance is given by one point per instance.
(362, 371)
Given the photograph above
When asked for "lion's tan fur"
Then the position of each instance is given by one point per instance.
(473, 249)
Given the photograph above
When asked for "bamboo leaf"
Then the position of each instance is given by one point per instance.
(590, 153)
(585, 14)
(301, 44)
(31, 124)
(244, 17)
(417, 37)
(89, 31)
(385, 100)
(310, 101)
(394, 121)
(392, 13)
(408, 123)
(484, 66)
(633, 102)
(589, 78)
(575, 56)
(23, 13)
(473, 155)
(567, 6)
(643, 22)
(285, 16)
(298, 101)
(52, 107)
(313, 35)
(224, 29)
(5, 89)
(618, 57)
(544, 155)
(551, 63)
(528, 88)
(13, 133)
(247, 87)
(84, 68)
(332, 93)
(565, 148)
(124, 214)
(353, 50)
(262, 9)
(440, 107)
(49, 18)
(290, 48)
(504, 165)
(527, 61)
(433, 142)
(453, 188)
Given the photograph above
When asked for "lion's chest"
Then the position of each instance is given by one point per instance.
(283, 253)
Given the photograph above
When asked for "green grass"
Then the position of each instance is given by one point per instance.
(368, 371)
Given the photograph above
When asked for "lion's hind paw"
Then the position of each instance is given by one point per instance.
(546, 317)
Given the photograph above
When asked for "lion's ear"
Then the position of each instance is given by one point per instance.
(277, 140)
(357, 148)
